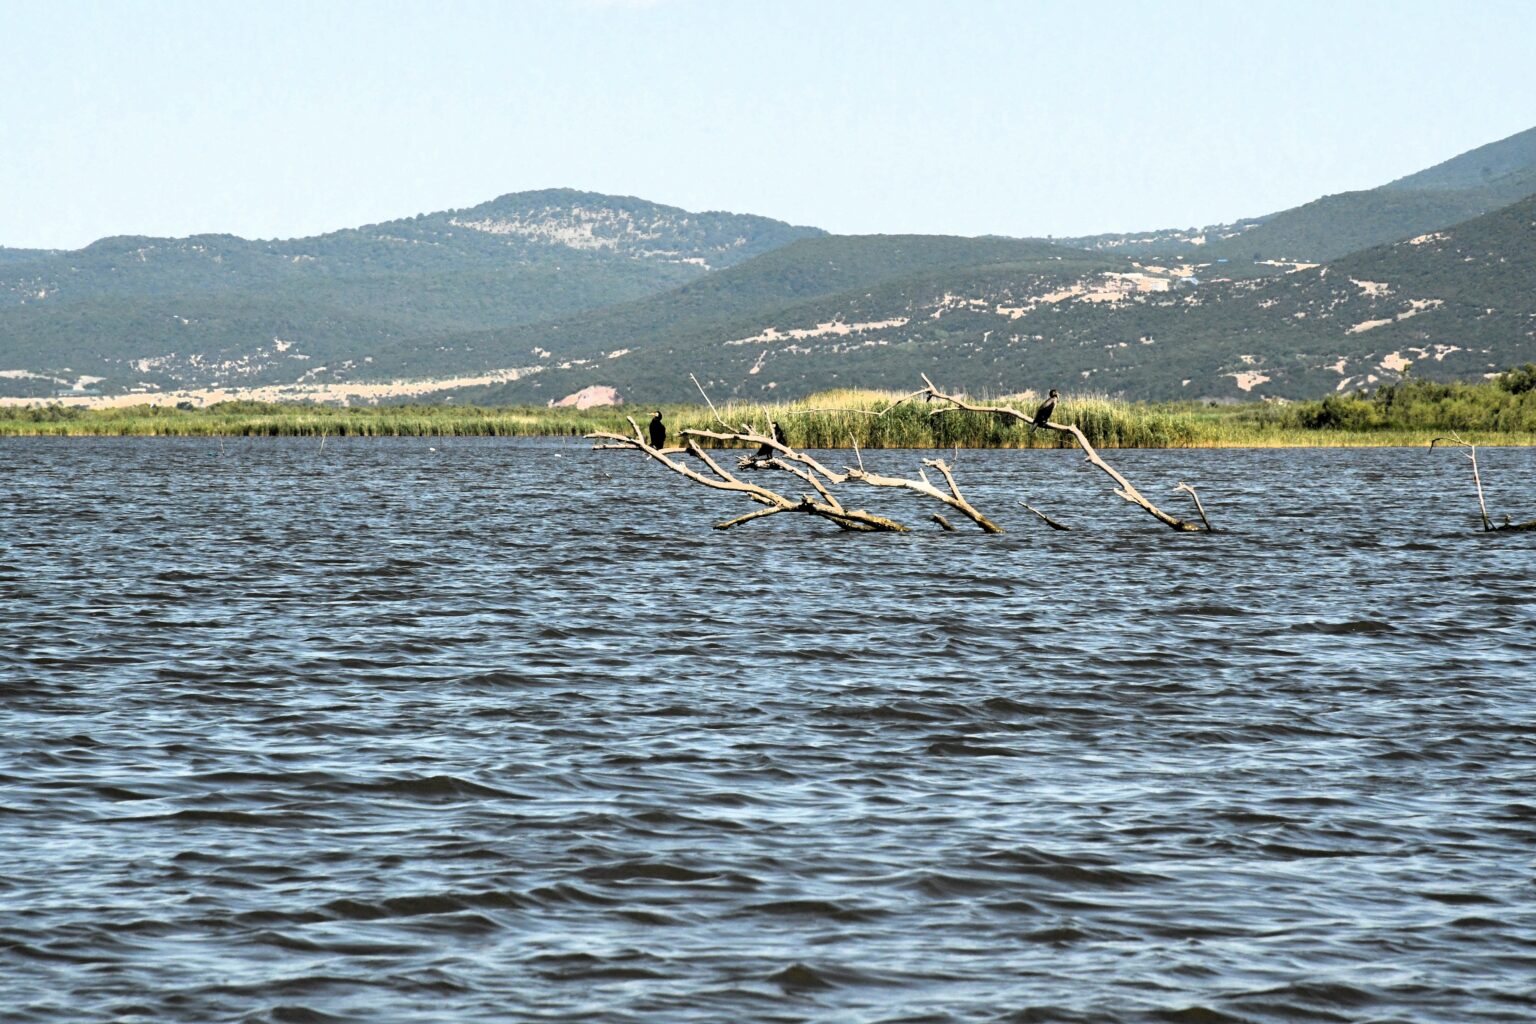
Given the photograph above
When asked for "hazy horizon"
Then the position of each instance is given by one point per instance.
(171, 119)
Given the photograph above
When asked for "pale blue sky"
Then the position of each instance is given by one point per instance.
(279, 119)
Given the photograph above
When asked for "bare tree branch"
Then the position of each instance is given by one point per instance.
(953, 499)
(1471, 454)
(1124, 488)
(712, 408)
(1198, 507)
(759, 514)
(903, 400)
(785, 452)
(1053, 524)
(856, 519)
(803, 467)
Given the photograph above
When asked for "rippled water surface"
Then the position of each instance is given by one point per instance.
(488, 730)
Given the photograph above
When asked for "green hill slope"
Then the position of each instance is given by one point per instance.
(1451, 304)
(1484, 166)
(840, 288)
(188, 308)
(1463, 187)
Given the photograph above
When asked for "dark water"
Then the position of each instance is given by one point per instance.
(453, 730)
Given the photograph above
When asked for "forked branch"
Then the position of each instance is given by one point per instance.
(1123, 486)
(1053, 524)
(805, 468)
(723, 480)
(787, 458)
(1482, 506)
(954, 499)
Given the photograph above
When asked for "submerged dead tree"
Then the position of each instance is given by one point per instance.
(1477, 479)
(1123, 486)
(821, 501)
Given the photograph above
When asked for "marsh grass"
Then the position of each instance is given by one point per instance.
(235, 419)
(871, 419)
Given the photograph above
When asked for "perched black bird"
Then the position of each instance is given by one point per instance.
(1043, 414)
(658, 431)
(766, 451)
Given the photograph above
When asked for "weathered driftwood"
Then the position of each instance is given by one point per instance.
(783, 451)
(822, 501)
(1053, 524)
(827, 508)
(671, 449)
(718, 418)
(954, 499)
(1482, 506)
(1198, 507)
(1123, 486)
(787, 458)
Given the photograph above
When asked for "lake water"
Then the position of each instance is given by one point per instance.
(484, 730)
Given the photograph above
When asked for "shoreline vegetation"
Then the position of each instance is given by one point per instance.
(1497, 412)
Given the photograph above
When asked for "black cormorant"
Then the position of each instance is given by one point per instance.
(1043, 414)
(658, 431)
(766, 451)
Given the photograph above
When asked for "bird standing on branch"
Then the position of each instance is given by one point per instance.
(658, 431)
(766, 451)
(1043, 414)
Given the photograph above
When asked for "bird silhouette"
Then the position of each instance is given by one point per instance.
(658, 431)
(1043, 414)
(766, 451)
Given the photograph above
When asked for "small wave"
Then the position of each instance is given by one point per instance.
(1459, 898)
(294, 1013)
(242, 819)
(800, 976)
(651, 871)
(1060, 935)
(1197, 1015)
(436, 787)
(1210, 611)
(829, 909)
(963, 747)
(1349, 627)
(1308, 998)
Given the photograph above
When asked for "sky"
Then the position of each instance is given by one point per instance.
(283, 119)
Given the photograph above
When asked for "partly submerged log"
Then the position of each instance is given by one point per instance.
(1477, 479)
(822, 501)
(954, 499)
(827, 508)
(1123, 486)
(1053, 524)
(808, 468)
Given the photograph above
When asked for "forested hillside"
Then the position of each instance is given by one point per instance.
(1457, 303)
(220, 309)
(1465, 186)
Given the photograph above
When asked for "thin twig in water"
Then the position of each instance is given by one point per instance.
(908, 398)
(1053, 524)
(1198, 507)
(854, 441)
(712, 408)
(851, 412)
(1470, 453)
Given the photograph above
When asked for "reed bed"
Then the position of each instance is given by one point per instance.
(236, 419)
(833, 419)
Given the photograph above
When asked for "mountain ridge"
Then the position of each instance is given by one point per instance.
(543, 293)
